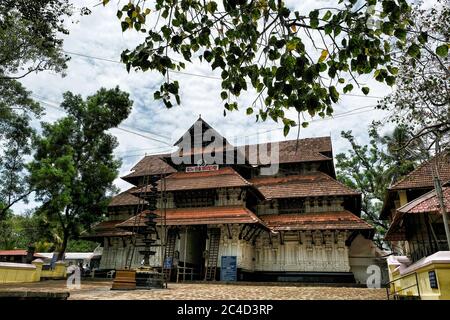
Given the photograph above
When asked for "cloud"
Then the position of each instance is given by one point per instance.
(100, 35)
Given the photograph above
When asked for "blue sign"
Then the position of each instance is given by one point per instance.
(168, 263)
(228, 268)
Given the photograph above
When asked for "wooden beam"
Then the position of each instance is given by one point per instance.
(256, 236)
(250, 228)
(281, 237)
(350, 239)
(251, 234)
(242, 231)
(230, 236)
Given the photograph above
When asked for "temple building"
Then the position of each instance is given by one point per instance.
(277, 209)
(420, 265)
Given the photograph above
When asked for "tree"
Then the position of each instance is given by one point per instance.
(74, 168)
(294, 61)
(19, 231)
(371, 168)
(15, 143)
(421, 99)
(29, 42)
(29, 36)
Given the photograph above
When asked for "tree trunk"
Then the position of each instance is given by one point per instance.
(62, 250)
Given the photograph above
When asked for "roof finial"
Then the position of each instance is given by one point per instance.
(200, 116)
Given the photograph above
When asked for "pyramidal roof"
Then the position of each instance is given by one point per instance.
(197, 130)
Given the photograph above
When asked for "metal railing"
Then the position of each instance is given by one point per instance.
(395, 294)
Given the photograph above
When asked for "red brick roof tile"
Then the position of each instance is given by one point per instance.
(150, 165)
(427, 203)
(341, 220)
(305, 185)
(196, 216)
(301, 150)
(106, 229)
(223, 178)
(124, 199)
(19, 252)
(422, 176)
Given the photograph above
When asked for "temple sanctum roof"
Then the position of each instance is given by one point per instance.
(197, 216)
(305, 185)
(341, 220)
(225, 177)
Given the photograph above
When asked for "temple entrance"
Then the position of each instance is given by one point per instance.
(191, 248)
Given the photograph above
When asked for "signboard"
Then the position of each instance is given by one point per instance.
(433, 280)
(209, 167)
(228, 269)
(168, 263)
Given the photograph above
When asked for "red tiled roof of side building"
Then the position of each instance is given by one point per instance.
(422, 176)
(201, 215)
(125, 198)
(427, 203)
(340, 220)
(106, 229)
(150, 165)
(305, 185)
(222, 178)
(18, 252)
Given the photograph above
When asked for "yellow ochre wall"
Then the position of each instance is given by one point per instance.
(21, 272)
(426, 292)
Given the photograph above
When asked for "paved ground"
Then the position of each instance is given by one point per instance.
(100, 290)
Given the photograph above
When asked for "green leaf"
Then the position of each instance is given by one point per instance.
(334, 94)
(365, 90)
(348, 88)
(249, 111)
(119, 14)
(286, 129)
(224, 95)
(327, 15)
(413, 50)
(442, 50)
(400, 34)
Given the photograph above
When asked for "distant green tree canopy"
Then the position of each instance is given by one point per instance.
(74, 167)
(371, 169)
(293, 60)
(421, 98)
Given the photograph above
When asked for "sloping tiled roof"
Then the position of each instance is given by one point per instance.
(195, 216)
(222, 178)
(306, 185)
(150, 165)
(427, 203)
(106, 229)
(19, 252)
(124, 199)
(301, 150)
(422, 176)
(316, 221)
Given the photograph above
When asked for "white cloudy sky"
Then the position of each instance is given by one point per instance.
(99, 35)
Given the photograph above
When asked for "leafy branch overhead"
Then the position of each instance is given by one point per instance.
(292, 60)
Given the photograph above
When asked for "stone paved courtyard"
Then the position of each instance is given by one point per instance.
(100, 290)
